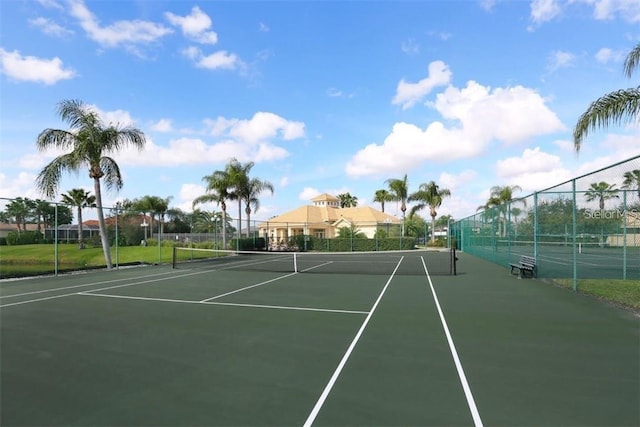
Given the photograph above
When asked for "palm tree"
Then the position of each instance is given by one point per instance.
(631, 180)
(90, 142)
(153, 205)
(219, 187)
(429, 195)
(601, 191)
(500, 198)
(347, 200)
(239, 176)
(250, 193)
(381, 197)
(399, 190)
(79, 198)
(19, 210)
(621, 106)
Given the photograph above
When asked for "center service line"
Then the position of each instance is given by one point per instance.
(314, 412)
(463, 379)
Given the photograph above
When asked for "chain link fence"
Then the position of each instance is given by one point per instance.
(584, 228)
(40, 237)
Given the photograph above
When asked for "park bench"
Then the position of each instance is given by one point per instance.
(526, 265)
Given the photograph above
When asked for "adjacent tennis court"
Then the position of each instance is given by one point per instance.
(344, 341)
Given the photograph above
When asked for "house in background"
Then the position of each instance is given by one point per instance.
(631, 235)
(323, 219)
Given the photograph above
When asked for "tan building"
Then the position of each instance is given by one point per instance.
(631, 237)
(323, 219)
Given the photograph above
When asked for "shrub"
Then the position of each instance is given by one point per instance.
(24, 238)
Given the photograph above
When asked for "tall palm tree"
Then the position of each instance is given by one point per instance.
(500, 198)
(79, 198)
(631, 180)
(219, 190)
(90, 141)
(249, 194)
(347, 200)
(399, 190)
(382, 196)
(601, 191)
(19, 210)
(618, 107)
(153, 205)
(239, 177)
(40, 209)
(431, 195)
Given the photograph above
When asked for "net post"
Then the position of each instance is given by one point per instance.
(295, 262)
(454, 260)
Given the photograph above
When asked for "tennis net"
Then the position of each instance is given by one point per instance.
(414, 262)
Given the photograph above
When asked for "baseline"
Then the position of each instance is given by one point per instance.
(83, 285)
(104, 289)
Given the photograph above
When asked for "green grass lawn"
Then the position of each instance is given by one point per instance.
(623, 292)
(39, 258)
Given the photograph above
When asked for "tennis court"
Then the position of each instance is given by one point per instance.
(215, 345)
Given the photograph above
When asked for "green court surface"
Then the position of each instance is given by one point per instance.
(155, 346)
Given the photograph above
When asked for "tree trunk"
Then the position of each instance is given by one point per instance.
(80, 236)
(433, 228)
(239, 219)
(248, 212)
(103, 226)
(224, 225)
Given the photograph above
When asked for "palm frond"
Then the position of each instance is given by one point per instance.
(632, 61)
(49, 178)
(112, 175)
(615, 108)
(55, 138)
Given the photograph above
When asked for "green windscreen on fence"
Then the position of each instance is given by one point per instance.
(586, 228)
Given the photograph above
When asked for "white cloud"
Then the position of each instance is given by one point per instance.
(162, 125)
(262, 126)
(410, 47)
(18, 186)
(408, 94)
(628, 10)
(284, 181)
(532, 161)
(125, 33)
(308, 193)
(479, 116)
(33, 69)
(49, 27)
(560, 59)
(606, 55)
(263, 28)
(453, 182)
(544, 10)
(217, 60)
(194, 26)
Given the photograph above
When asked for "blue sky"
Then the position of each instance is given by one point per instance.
(335, 96)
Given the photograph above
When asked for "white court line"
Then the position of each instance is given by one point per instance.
(83, 285)
(247, 287)
(103, 289)
(463, 379)
(325, 393)
(275, 307)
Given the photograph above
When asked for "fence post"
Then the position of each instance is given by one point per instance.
(574, 237)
